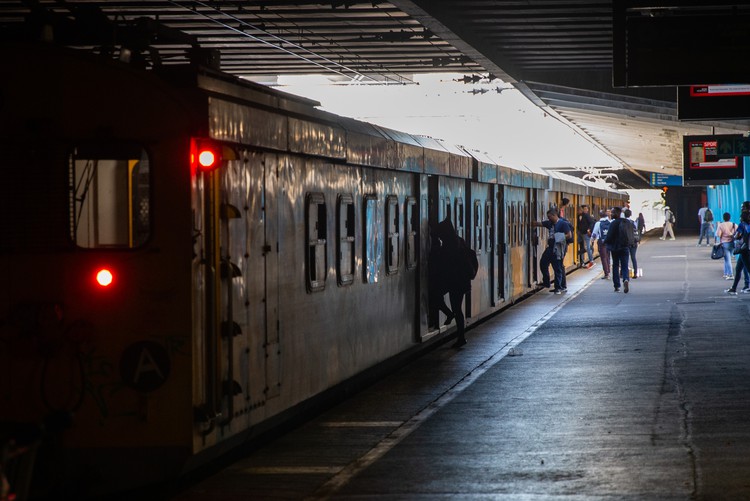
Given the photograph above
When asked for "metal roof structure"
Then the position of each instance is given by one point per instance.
(558, 53)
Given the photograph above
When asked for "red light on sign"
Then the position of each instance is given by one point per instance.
(104, 277)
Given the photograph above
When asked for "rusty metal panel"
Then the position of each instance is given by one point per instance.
(436, 158)
(246, 125)
(409, 153)
(317, 139)
(366, 145)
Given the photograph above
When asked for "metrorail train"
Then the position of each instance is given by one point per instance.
(189, 259)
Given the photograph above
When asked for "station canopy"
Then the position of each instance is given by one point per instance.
(608, 69)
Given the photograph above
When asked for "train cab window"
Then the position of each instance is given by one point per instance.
(345, 232)
(488, 234)
(460, 217)
(316, 218)
(412, 225)
(109, 196)
(393, 219)
(372, 248)
(478, 225)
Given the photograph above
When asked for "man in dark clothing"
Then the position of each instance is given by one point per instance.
(457, 277)
(620, 253)
(437, 286)
(560, 234)
(584, 227)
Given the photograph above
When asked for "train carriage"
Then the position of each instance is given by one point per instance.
(190, 260)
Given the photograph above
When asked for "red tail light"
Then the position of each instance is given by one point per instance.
(205, 155)
(104, 277)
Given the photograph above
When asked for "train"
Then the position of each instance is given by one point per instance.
(190, 260)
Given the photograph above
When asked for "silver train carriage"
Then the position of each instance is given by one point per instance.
(190, 260)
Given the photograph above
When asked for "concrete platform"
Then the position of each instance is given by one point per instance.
(588, 395)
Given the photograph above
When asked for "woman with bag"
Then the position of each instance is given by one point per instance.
(742, 252)
(725, 234)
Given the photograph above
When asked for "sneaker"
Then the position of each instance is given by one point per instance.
(564, 289)
(589, 265)
(626, 286)
(673, 239)
(617, 289)
(746, 290)
(729, 277)
(558, 292)
(661, 238)
(731, 291)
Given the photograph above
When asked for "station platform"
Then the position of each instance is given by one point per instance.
(591, 394)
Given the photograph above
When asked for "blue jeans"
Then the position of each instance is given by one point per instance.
(705, 230)
(587, 246)
(557, 265)
(728, 246)
(620, 260)
(743, 265)
(633, 251)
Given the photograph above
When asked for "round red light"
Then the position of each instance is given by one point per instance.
(104, 277)
(206, 159)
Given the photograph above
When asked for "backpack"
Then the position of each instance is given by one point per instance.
(671, 217)
(604, 228)
(625, 234)
(708, 216)
(469, 258)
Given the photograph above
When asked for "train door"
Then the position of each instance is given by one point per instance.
(238, 294)
(517, 257)
(535, 211)
(480, 232)
(500, 244)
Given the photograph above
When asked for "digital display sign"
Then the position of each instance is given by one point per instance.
(713, 102)
(704, 163)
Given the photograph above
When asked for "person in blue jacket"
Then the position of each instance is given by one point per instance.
(560, 235)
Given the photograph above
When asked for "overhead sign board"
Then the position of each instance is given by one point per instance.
(657, 179)
(706, 159)
(713, 102)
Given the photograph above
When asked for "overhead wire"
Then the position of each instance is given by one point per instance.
(330, 65)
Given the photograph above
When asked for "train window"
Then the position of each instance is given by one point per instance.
(460, 217)
(412, 225)
(478, 225)
(372, 248)
(345, 265)
(448, 212)
(392, 218)
(316, 229)
(109, 196)
(488, 235)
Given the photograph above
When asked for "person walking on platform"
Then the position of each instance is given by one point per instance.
(669, 220)
(641, 225)
(599, 233)
(560, 234)
(584, 228)
(634, 247)
(706, 218)
(725, 233)
(456, 275)
(742, 242)
(437, 287)
(619, 240)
